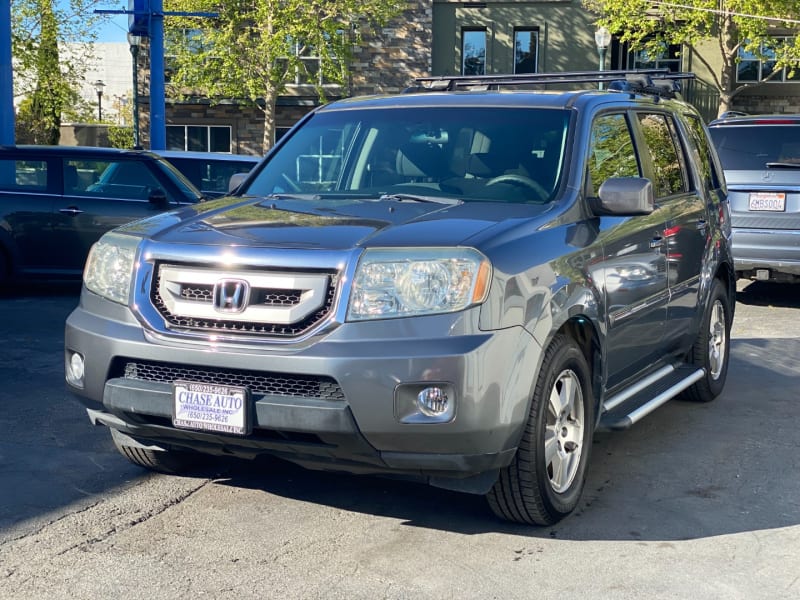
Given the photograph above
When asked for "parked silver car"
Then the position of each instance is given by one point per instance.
(761, 159)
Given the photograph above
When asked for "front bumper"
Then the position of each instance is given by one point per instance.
(491, 373)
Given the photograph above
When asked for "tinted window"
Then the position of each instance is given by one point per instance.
(611, 152)
(751, 147)
(210, 175)
(665, 156)
(21, 175)
(129, 180)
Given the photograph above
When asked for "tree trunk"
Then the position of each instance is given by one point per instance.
(270, 99)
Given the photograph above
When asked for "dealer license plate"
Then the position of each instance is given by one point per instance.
(206, 407)
(774, 201)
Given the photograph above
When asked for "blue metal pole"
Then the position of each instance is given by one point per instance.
(6, 77)
(158, 125)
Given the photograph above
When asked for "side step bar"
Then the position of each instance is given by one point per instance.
(631, 405)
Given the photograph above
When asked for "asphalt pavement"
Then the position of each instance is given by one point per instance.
(695, 501)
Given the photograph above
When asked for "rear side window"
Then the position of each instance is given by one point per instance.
(706, 165)
(611, 152)
(750, 148)
(665, 154)
(23, 175)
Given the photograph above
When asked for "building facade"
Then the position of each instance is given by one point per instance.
(452, 37)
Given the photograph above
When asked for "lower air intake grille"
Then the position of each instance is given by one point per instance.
(258, 382)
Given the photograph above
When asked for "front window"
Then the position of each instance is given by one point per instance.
(473, 52)
(199, 138)
(448, 153)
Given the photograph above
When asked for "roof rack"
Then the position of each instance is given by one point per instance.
(659, 82)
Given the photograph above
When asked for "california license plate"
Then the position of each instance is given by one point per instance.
(206, 407)
(774, 201)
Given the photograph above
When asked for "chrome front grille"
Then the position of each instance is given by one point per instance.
(258, 382)
(185, 296)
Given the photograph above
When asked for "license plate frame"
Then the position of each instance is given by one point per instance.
(211, 408)
(767, 201)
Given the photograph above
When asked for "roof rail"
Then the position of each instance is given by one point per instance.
(660, 82)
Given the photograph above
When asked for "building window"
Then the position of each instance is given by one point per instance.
(526, 50)
(199, 138)
(473, 51)
(668, 56)
(753, 68)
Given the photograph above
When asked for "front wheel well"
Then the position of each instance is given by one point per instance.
(582, 331)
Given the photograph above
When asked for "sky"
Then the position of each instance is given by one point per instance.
(114, 30)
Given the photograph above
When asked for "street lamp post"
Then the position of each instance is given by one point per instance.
(602, 37)
(98, 86)
(134, 41)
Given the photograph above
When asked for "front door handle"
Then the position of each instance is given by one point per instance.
(656, 242)
(70, 210)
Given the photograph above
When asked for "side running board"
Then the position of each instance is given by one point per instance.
(631, 405)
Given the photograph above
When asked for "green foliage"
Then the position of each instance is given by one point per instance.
(255, 48)
(692, 23)
(120, 136)
(47, 77)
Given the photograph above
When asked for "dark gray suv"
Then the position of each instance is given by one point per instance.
(56, 201)
(457, 284)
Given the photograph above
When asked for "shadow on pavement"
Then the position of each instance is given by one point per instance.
(687, 471)
(763, 293)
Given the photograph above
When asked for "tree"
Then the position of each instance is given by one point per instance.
(763, 29)
(255, 48)
(44, 75)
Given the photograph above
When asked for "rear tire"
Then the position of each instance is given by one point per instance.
(544, 481)
(170, 462)
(711, 349)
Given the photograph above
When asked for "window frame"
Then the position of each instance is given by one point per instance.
(749, 58)
(208, 128)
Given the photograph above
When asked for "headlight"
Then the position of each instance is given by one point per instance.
(109, 268)
(417, 281)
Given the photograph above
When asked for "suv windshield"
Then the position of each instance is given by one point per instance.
(753, 148)
(472, 154)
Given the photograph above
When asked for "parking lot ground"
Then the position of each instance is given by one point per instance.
(696, 501)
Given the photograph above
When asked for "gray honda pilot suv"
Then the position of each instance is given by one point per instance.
(458, 284)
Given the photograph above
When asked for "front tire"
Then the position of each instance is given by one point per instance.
(544, 481)
(712, 346)
(170, 462)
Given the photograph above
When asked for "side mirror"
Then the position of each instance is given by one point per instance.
(236, 180)
(624, 196)
(158, 198)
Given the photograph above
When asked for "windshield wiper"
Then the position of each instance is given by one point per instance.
(783, 165)
(416, 198)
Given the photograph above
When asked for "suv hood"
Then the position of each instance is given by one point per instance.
(328, 224)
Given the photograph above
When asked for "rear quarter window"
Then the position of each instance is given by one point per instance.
(23, 175)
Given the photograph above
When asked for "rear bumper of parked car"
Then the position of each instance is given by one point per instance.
(774, 250)
(490, 375)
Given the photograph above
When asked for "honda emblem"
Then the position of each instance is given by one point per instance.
(231, 295)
